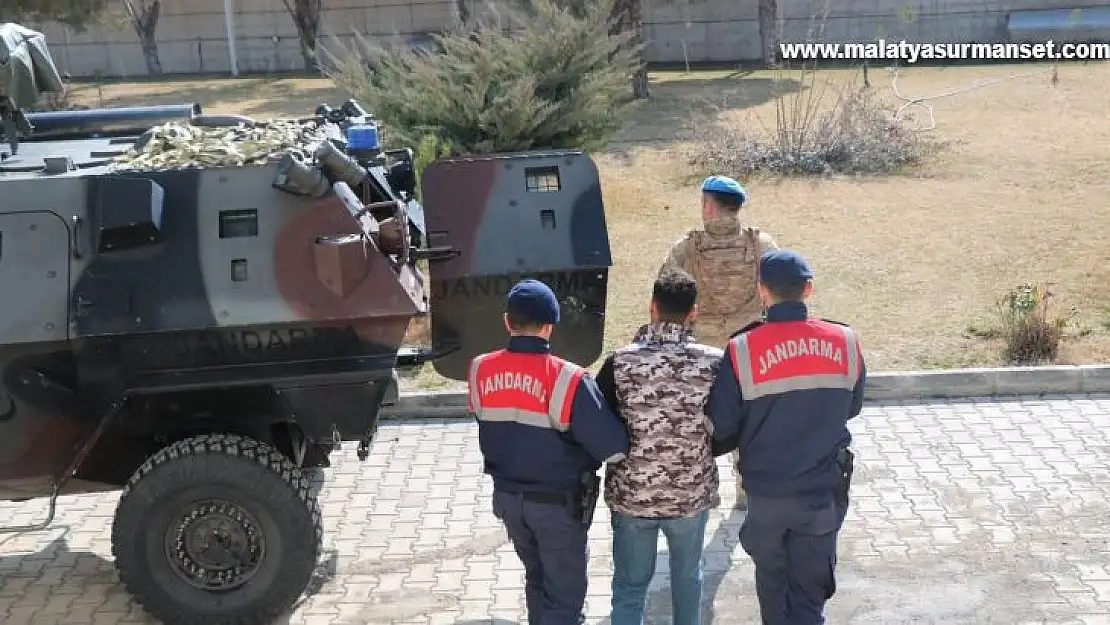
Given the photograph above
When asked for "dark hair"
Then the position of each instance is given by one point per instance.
(522, 322)
(675, 293)
(788, 290)
(727, 201)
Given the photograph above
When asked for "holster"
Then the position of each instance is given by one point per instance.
(589, 492)
(846, 461)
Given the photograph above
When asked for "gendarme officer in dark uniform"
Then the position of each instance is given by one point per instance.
(544, 430)
(783, 394)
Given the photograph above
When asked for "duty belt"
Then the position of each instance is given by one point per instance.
(581, 501)
(549, 497)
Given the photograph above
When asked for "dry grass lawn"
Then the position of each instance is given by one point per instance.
(915, 262)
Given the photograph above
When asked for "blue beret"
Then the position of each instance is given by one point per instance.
(724, 184)
(535, 300)
(783, 266)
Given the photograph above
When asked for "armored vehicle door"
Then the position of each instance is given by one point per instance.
(36, 434)
(499, 219)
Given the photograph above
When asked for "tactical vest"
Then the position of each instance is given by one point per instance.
(726, 268)
(786, 356)
(535, 390)
(797, 381)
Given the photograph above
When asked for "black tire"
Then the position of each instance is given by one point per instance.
(262, 484)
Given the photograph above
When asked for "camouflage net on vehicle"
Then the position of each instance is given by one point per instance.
(177, 145)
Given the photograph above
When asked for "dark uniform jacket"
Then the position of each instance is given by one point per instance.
(783, 395)
(542, 422)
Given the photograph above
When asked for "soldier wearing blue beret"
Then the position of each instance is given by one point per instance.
(783, 395)
(544, 429)
(723, 258)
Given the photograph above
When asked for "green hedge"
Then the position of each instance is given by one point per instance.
(556, 79)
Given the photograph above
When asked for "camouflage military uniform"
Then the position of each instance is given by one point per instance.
(724, 259)
(661, 382)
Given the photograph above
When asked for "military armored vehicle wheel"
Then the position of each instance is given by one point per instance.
(217, 530)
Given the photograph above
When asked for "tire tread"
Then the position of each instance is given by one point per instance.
(234, 445)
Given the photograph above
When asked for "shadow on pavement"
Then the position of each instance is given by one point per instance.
(392, 606)
(92, 581)
(717, 561)
(60, 571)
(718, 556)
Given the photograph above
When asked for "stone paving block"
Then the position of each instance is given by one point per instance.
(976, 511)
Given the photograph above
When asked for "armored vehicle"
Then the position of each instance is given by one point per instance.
(199, 309)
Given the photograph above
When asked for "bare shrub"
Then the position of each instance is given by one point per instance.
(1031, 333)
(558, 79)
(820, 128)
(58, 100)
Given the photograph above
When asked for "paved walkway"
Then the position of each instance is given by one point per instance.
(989, 512)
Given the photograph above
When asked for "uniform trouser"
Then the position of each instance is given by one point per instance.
(792, 542)
(552, 543)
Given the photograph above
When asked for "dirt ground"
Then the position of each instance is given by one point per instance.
(915, 262)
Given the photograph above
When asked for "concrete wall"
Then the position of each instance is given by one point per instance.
(942, 21)
(728, 30)
(192, 37)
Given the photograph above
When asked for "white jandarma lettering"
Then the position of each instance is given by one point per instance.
(793, 348)
(914, 52)
(513, 381)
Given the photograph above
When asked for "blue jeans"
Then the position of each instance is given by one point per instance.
(635, 548)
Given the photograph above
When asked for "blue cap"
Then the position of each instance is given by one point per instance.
(362, 137)
(783, 266)
(724, 184)
(535, 300)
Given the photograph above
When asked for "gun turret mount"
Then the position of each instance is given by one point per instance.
(26, 71)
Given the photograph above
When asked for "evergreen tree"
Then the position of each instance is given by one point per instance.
(556, 79)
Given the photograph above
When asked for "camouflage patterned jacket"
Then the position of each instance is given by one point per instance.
(658, 385)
